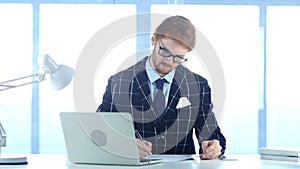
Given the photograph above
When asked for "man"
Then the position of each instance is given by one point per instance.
(167, 101)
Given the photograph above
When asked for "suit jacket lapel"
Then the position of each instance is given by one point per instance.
(140, 94)
(176, 86)
(141, 91)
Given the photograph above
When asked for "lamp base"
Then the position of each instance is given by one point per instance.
(12, 160)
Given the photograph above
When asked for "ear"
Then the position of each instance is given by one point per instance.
(153, 39)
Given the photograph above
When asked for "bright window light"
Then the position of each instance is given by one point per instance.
(16, 61)
(65, 30)
(283, 92)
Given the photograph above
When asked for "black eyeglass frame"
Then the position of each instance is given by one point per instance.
(169, 54)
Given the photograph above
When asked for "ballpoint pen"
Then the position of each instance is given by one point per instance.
(137, 133)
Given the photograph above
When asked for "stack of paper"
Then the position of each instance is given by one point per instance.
(280, 153)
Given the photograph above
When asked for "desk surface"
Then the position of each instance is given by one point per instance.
(59, 161)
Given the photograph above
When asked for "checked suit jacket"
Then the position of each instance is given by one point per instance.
(172, 131)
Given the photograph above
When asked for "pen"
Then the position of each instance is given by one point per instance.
(224, 158)
(137, 133)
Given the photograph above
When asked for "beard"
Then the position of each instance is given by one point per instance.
(163, 68)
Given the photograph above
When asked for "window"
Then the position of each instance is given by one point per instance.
(16, 61)
(235, 31)
(283, 93)
(65, 29)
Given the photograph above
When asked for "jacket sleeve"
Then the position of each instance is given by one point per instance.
(107, 104)
(206, 124)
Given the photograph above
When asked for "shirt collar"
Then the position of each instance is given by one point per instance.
(154, 76)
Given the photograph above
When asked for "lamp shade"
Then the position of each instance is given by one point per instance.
(60, 75)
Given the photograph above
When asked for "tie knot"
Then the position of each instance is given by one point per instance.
(160, 83)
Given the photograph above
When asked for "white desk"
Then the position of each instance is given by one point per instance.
(59, 161)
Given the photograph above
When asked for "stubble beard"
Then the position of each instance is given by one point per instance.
(163, 68)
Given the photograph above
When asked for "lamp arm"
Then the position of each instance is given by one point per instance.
(37, 77)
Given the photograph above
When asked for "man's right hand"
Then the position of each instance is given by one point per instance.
(144, 147)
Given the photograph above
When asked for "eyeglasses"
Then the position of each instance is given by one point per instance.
(166, 53)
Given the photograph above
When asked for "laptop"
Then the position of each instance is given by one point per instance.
(101, 138)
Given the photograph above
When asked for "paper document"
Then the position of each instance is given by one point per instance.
(169, 157)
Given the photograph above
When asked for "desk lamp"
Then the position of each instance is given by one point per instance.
(60, 76)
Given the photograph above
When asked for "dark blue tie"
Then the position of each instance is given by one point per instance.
(159, 98)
